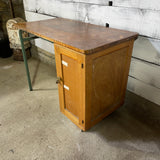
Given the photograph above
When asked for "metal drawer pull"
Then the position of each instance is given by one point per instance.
(66, 87)
(64, 63)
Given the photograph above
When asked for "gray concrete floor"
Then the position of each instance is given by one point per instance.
(32, 127)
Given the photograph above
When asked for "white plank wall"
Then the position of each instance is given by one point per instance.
(138, 20)
(143, 89)
(142, 4)
(147, 49)
(145, 72)
(31, 16)
(134, 15)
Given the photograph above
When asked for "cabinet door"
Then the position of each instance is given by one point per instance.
(70, 72)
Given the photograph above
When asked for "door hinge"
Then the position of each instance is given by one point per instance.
(82, 65)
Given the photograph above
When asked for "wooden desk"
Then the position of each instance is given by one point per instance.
(92, 66)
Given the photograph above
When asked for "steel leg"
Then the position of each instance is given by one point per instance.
(25, 59)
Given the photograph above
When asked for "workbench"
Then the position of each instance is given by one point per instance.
(92, 65)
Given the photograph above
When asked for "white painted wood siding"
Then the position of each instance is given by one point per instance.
(31, 16)
(143, 89)
(145, 72)
(145, 22)
(142, 4)
(147, 49)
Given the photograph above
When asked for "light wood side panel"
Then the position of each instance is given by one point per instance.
(108, 76)
(106, 80)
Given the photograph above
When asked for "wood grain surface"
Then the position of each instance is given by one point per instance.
(82, 37)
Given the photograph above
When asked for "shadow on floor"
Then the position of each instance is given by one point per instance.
(137, 120)
(35, 72)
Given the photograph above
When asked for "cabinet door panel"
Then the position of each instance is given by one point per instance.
(71, 84)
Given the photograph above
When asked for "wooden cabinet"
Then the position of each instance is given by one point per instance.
(91, 86)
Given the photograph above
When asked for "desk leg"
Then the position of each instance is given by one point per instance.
(25, 59)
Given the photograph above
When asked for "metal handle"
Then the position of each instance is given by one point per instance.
(58, 80)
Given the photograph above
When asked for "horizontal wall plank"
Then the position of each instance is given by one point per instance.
(62, 9)
(146, 72)
(32, 16)
(143, 4)
(99, 2)
(147, 91)
(29, 5)
(145, 22)
(147, 49)
(45, 45)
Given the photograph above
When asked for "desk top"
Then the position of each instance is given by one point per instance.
(82, 37)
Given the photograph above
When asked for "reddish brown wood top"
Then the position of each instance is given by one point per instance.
(82, 37)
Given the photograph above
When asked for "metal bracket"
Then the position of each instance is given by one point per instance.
(82, 65)
(29, 38)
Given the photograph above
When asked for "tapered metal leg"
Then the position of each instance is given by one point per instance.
(25, 59)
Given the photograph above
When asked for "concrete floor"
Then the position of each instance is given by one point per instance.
(32, 127)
